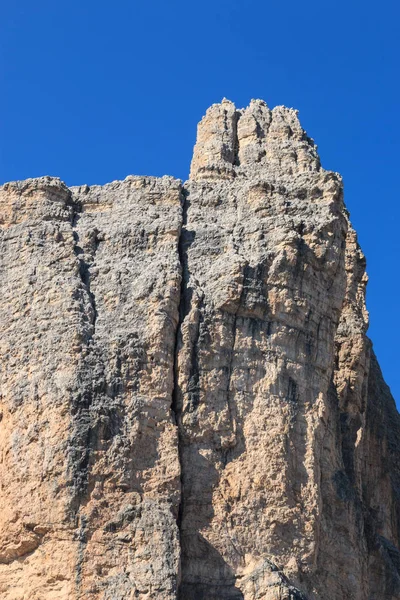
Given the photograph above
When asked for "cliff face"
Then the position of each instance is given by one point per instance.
(191, 408)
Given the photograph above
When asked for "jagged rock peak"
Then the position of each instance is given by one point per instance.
(233, 142)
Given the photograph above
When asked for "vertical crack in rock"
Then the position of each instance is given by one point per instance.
(176, 405)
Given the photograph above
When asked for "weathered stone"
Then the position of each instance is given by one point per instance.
(90, 295)
(191, 408)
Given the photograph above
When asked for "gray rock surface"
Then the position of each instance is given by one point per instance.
(191, 408)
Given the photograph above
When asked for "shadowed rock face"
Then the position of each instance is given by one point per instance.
(190, 405)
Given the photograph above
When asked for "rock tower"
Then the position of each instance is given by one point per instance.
(190, 406)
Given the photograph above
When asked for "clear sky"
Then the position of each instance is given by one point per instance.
(92, 91)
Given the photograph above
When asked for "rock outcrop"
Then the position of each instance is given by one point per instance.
(190, 406)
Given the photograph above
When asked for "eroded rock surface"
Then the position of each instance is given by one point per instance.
(90, 475)
(191, 408)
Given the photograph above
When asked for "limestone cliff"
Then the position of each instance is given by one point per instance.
(190, 406)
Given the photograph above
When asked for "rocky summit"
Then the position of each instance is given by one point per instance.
(190, 406)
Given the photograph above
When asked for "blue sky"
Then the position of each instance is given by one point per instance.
(94, 91)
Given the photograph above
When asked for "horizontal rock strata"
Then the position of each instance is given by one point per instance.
(190, 406)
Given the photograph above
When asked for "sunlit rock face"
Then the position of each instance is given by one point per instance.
(190, 406)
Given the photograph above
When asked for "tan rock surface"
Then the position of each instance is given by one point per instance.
(190, 404)
(90, 477)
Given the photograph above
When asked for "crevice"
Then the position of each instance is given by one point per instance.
(184, 302)
(183, 307)
(236, 161)
(187, 296)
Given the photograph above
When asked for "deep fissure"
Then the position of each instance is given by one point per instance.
(175, 398)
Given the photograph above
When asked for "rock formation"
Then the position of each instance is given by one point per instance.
(190, 406)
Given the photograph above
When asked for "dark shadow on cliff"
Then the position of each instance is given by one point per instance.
(205, 573)
(219, 584)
